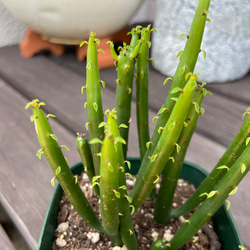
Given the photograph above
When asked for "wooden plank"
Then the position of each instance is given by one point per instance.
(5, 242)
(237, 90)
(25, 188)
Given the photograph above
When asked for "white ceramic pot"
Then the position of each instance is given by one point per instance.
(70, 21)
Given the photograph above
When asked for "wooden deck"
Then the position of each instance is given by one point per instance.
(25, 188)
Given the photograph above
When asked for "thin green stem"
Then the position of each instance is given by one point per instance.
(163, 204)
(148, 177)
(142, 67)
(94, 100)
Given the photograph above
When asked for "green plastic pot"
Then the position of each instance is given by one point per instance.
(223, 222)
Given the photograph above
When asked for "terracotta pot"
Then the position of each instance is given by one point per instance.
(70, 21)
(223, 222)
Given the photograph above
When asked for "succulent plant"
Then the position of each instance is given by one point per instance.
(162, 155)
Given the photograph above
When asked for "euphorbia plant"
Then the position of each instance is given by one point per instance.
(104, 155)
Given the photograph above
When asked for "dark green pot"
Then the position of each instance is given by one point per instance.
(223, 221)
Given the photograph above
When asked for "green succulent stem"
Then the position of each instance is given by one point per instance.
(85, 153)
(125, 227)
(170, 176)
(169, 135)
(94, 99)
(187, 64)
(108, 185)
(125, 75)
(232, 153)
(56, 160)
(142, 67)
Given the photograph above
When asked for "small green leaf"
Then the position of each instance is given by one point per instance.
(53, 136)
(100, 50)
(157, 179)
(119, 139)
(97, 41)
(85, 105)
(82, 43)
(223, 167)
(123, 187)
(89, 66)
(153, 158)
(95, 106)
(95, 141)
(58, 170)
(188, 75)
(129, 175)
(162, 110)
(50, 115)
(87, 126)
(52, 181)
(172, 159)
(176, 90)
(178, 148)
(151, 59)
(64, 146)
(182, 71)
(102, 124)
(171, 126)
(148, 144)
(204, 54)
(203, 194)
(110, 167)
(123, 126)
(228, 204)
(211, 194)
(32, 118)
(155, 118)
(129, 199)
(39, 153)
(76, 179)
(175, 99)
(128, 164)
(96, 178)
(182, 35)
(197, 107)
(187, 221)
(243, 168)
(169, 78)
(82, 89)
(117, 194)
(129, 91)
(233, 191)
(132, 209)
(242, 247)
(41, 104)
(247, 140)
(103, 83)
(180, 54)
(194, 239)
(160, 129)
(95, 183)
